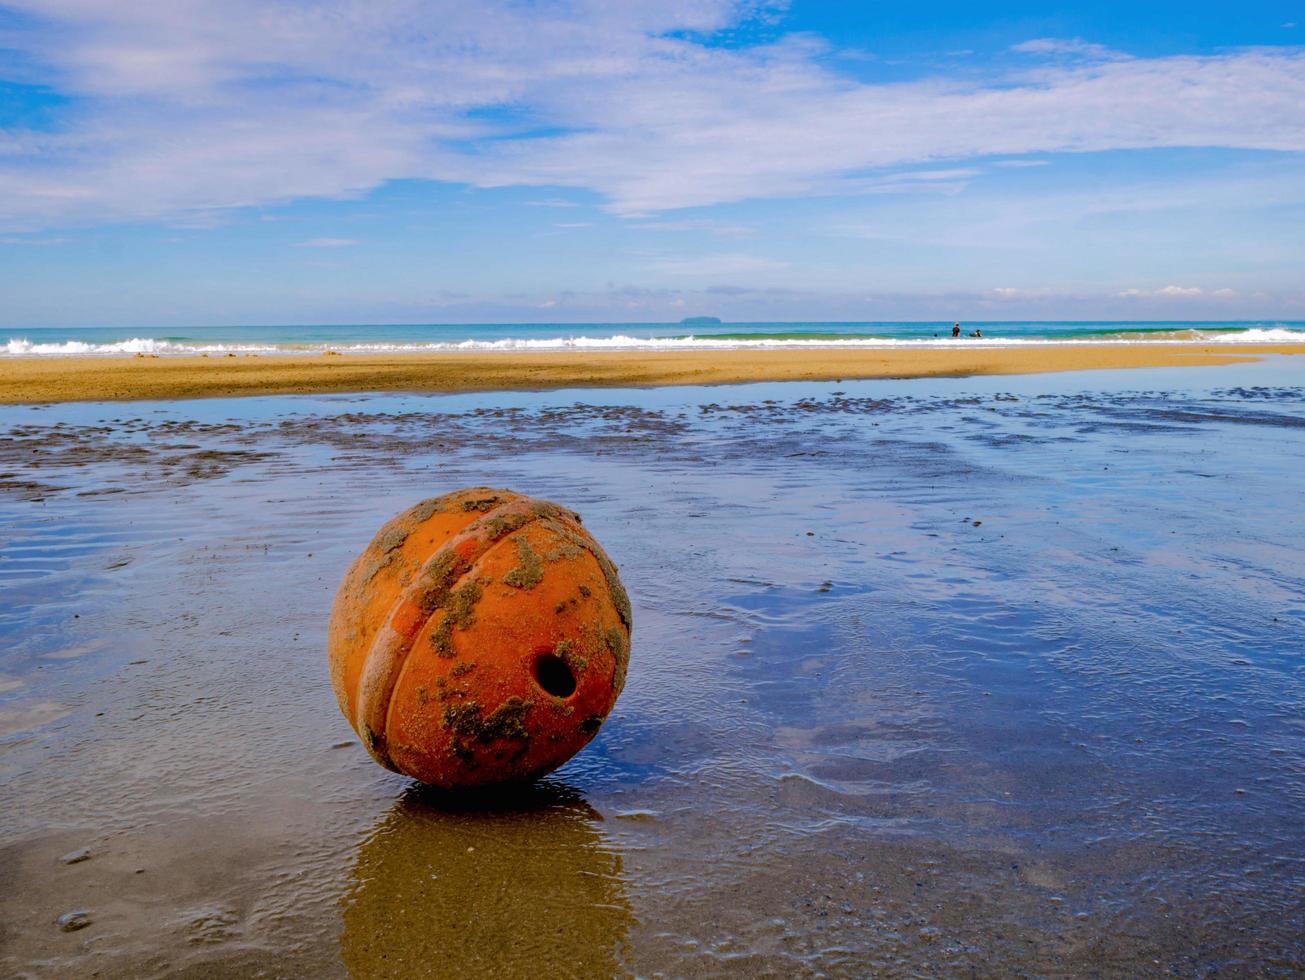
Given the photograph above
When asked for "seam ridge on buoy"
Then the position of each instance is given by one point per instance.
(430, 589)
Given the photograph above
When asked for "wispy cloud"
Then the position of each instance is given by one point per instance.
(186, 108)
(31, 241)
(709, 226)
(1179, 292)
(552, 202)
(1073, 47)
(1021, 293)
(326, 243)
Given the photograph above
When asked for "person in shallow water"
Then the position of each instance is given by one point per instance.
(956, 329)
(977, 332)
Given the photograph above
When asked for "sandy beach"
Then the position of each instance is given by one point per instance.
(25, 381)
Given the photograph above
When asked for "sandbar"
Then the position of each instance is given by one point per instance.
(26, 381)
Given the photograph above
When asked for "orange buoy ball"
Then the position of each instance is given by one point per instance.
(482, 637)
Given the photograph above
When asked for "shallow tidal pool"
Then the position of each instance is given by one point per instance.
(956, 677)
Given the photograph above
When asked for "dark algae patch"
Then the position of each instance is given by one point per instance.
(383, 440)
(462, 719)
(507, 721)
(620, 598)
(388, 544)
(393, 539)
(459, 611)
(614, 587)
(424, 511)
(438, 578)
(531, 570)
(565, 651)
(620, 647)
(501, 525)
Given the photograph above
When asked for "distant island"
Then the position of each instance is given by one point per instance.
(700, 321)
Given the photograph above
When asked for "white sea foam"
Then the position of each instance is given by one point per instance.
(22, 347)
(137, 345)
(1260, 335)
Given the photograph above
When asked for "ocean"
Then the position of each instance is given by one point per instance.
(435, 337)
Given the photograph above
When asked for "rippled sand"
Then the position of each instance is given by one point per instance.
(947, 677)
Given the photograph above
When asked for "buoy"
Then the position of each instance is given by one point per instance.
(482, 637)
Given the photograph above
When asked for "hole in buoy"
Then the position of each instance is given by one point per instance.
(554, 676)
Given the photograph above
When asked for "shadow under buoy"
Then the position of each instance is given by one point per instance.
(506, 883)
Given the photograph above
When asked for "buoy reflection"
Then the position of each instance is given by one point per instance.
(509, 883)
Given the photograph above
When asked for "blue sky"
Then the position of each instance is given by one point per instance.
(171, 162)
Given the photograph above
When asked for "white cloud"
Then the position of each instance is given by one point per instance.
(186, 108)
(1171, 292)
(1073, 47)
(1020, 293)
(326, 243)
(710, 226)
(553, 202)
(955, 173)
(21, 240)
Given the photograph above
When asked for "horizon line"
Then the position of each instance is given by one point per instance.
(640, 323)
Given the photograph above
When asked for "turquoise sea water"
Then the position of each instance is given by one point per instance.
(375, 338)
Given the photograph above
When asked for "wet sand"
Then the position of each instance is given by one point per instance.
(982, 677)
(32, 380)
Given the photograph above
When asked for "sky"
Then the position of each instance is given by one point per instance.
(187, 162)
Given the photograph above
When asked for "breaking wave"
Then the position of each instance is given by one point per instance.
(150, 346)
